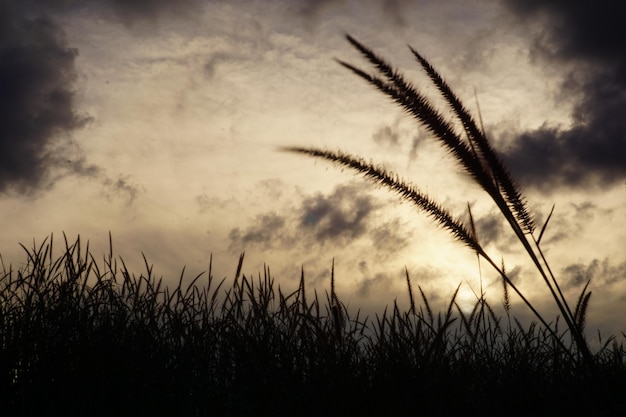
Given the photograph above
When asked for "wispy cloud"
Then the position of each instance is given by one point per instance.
(122, 187)
(387, 135)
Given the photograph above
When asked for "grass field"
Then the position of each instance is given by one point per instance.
(80, 337)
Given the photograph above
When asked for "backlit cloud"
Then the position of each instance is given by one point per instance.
(586, 40)
(341, 215)
(600, 273)
(341, 218)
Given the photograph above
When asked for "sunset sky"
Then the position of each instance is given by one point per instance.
(160, 122)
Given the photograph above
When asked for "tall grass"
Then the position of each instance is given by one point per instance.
(478, 159)
(82, 337)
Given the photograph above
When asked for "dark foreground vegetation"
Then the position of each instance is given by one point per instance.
(83, 338)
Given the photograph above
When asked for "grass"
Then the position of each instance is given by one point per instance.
(81, 337)
(475, 155)
(85, 337)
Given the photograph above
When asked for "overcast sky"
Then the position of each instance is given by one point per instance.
(160, 121)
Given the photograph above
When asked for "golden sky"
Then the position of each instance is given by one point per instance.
(159, 122)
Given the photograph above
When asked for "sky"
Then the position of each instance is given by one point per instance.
(160, 122)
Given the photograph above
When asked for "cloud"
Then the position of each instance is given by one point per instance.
(312, 9)
(133, 11)
(600, 273)
(368, 284)
(220, 62)
(37, 109)
(587, 39)
(577, 28)
(387, 135)
(207, 203)
(38, 74)
(121, 186)
(342, 215)
(394, 9)
(514, 274)
(347, 215)
(127, 11)
(267, 229)
(490, 228)
(214, 61)
(388, 237)
(395, 135)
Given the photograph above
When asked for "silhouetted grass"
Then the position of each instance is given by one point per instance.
(542, 355)
(478, 159)
(78, 337)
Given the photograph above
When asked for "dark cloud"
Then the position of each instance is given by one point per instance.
(344, 214)
(311, 9)
(39, 7)
(267, 229)
(37, 110)
(490, 228)
(578, 28)
(132, 11)
(587, 38)
(394, 9)
(391, 236)
(367, 284)
(599, 272)
(127, 11)
(38, 75)
(207, 204)
(335, 220)
(578, 274)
